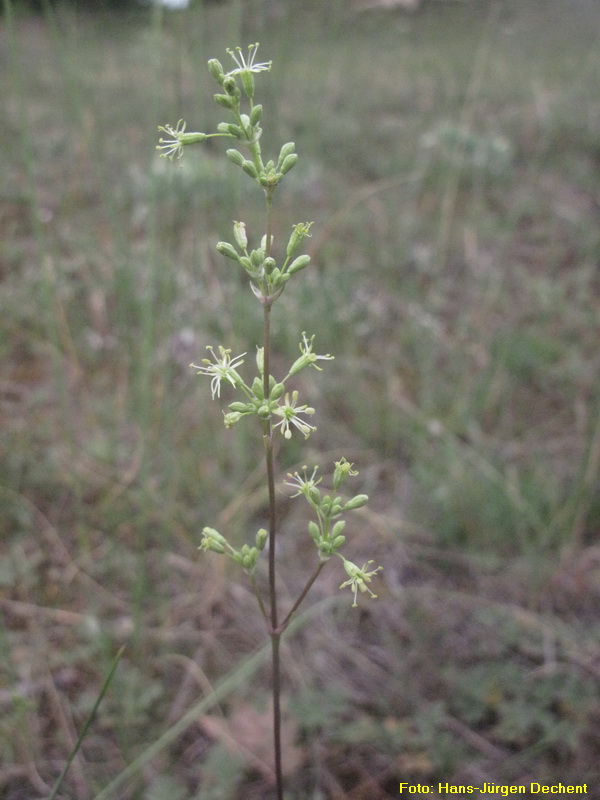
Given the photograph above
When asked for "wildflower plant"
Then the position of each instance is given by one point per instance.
(280, 411)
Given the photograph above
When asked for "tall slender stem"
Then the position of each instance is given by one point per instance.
(274, 632)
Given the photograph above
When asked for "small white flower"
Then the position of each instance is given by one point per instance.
(247, 66)
(222, 369)
(308, 358)
(303, 484)
(173, 148)
(359, 577)
(289, 416)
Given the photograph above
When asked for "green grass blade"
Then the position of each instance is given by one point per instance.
(88, 722)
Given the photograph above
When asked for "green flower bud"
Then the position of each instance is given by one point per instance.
(256, 115)
(338, 528)
(299, 233)
(357, 502)
(261, 538)
(250, 169)
(214, 547)
(228, 250)
(216, 70)
(247, 264)
(257, 257)
(235, 130)
(314, 495)
(230, 86)
(325, 550)
(257, 388)
(338, 542)
(315, 533)
(248, 83)
(260, 360)
(269, 264)
(342, 470)
(285, 151)
(231, 419)
(288, 162)
(277, 391)
(214, 536)
(225, 101)
(191, 138)
(242, 408)
(239, 233)
(298, 264)
(223, 127)
(235, 157)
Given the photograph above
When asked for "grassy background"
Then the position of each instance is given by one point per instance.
(451, 161)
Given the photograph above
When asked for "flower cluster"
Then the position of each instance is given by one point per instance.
(246, 556)
(327, 530)
(276, 405)
(267, 280)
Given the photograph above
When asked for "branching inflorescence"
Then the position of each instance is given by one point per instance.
(277, 408)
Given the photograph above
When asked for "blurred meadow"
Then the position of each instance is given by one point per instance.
(451, 161)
